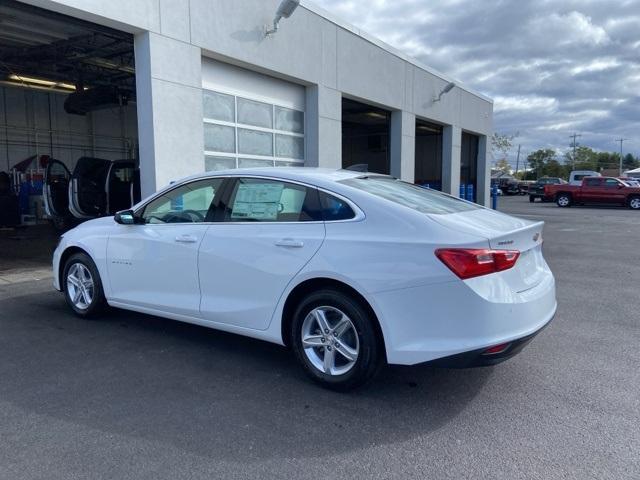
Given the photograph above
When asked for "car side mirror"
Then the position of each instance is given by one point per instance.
(620, 186)
(126, 217)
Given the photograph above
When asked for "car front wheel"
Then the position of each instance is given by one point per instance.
(82, 286)
(634, 203)
(334, 339)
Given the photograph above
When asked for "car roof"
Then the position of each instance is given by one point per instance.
(321, 177)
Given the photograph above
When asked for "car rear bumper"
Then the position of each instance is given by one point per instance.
(443, 321)
(482, 358)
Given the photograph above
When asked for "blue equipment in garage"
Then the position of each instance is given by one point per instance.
(470, 193)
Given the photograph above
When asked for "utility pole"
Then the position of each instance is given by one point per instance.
(573, 160)
(620, 140)
(518, 160)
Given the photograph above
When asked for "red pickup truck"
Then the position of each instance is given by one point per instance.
(594, 190)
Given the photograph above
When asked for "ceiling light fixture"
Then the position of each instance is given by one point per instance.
(41, 82)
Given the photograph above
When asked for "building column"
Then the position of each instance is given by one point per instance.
(169, 107)
(403, 145)
(483, 194)
(451, 147)
(324, 127)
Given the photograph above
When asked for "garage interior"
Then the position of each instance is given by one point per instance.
(469, 165)
(67, 91)
(428, 163)
(365, 136)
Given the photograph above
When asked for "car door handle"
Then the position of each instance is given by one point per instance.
(186, 239)
(289, 243)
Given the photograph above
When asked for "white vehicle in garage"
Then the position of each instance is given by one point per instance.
(349, 269)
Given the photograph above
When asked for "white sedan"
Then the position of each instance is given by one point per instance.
(351, 270)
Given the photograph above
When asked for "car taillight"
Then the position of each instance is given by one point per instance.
(474, 262)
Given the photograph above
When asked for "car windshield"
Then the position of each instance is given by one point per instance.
(418, 198)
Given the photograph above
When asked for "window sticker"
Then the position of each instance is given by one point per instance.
(257, 201)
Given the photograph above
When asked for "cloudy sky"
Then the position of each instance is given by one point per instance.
(553, 67)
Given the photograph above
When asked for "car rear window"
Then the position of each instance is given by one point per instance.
(417, 198)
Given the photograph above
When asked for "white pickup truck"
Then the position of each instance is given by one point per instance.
(576, 176)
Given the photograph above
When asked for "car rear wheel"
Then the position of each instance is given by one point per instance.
(82, 286)
(563, 200)
(634, 203)
(334, 339)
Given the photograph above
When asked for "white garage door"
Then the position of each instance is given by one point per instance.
(250, 119)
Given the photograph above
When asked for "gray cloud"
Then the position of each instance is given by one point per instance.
(553, 67)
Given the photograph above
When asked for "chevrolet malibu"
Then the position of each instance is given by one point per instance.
(350, 270)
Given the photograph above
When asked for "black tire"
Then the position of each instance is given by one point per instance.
(98, 302)
(563, 200)
(532, 199)
(634, 202)
(370, 356)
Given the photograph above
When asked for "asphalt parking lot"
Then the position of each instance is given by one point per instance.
(134, 396)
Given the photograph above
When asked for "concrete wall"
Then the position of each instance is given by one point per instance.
(329, 57)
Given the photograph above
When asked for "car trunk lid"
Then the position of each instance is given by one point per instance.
(504, 232)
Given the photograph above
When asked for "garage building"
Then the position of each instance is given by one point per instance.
(184, 86)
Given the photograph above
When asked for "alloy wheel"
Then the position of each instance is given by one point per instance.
(635, 203)
(80, 286)
(330, 340)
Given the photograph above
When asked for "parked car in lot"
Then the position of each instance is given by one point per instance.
(96, 188)
(594, 190)
(524, 186)
(537, 189)
(349, 269)
(632, 182)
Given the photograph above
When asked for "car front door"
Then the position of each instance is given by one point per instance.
(154, 263)
(615, 192)
(269, 231)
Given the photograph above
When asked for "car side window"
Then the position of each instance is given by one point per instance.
(265, 200)
(593, 182)
(334, 209)
(190, 203)
(611, 183)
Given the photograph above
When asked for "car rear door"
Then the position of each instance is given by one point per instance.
(88, 190)
(154, 263)
(268, 231)
(592, 190)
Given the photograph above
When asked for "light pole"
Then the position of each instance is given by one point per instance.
(573, 160)
(620, 140)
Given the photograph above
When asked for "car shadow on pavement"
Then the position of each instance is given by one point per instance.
(209, 393)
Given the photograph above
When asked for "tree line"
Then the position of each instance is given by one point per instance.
(547, 162)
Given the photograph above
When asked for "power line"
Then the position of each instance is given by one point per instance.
(621, 140)
(573, 160)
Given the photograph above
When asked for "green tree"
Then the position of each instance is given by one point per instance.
(607, 160)
(585, 159)
(553, 168)
(629, 162)
(539, 159)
